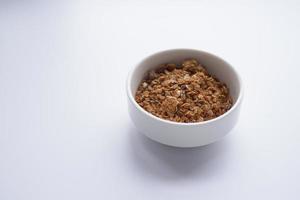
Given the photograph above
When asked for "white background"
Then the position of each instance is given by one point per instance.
(64, 127)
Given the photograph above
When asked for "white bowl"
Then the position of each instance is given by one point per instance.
(184, 134)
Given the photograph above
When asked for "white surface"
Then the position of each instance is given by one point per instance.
(184, 134)
(64, 128)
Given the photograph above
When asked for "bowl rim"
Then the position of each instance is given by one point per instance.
(131, 98)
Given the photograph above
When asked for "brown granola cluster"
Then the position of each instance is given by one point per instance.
(183, 93)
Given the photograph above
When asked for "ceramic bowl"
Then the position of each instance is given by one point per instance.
(184, 134)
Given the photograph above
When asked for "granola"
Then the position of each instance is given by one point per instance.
(183, 93)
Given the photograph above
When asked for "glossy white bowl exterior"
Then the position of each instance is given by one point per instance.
(184, 134)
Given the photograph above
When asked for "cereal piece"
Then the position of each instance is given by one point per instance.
(170, 104)
(145, 84)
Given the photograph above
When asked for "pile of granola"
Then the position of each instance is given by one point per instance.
(183, 93)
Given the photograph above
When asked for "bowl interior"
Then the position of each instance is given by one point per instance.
(214, 65)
